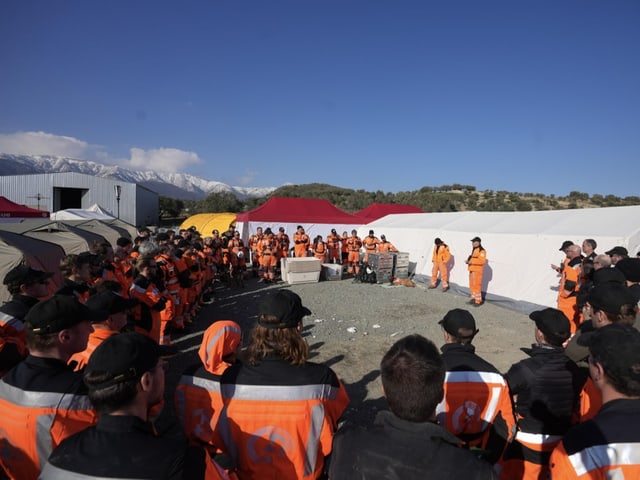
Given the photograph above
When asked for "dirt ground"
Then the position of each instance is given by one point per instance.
(352, 325)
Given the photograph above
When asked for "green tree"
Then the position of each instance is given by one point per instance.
(170, 207)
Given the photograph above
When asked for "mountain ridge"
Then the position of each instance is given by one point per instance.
(182, 186)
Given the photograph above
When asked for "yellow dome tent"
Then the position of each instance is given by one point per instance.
(205, 223)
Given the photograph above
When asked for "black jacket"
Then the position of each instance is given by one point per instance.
(124, 447)
(397, 449)
(548, 386)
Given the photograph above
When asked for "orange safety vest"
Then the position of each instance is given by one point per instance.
(477, 259)
(370, 243)
(147, 319)
(300, 249)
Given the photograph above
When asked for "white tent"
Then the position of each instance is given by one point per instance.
(95, 212)
(520, 245)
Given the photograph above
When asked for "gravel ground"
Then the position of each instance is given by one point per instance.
(353, 325)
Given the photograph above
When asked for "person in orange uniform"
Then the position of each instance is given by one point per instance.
(197, 398)
(354, 244)
(570, 285)
(283, 243)
(42, 400)
(440, 259)
(126, 379)
(268, 248)
(475, 264)
(370, 244)
(344, 248)
(152, 302)
(280, 410)
(320, 249)
(386, 246)
(333, 245)
(117, 307)
(254, 241)
(301, 243)
(607, 445)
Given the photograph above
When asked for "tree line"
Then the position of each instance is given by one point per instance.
(446, 198)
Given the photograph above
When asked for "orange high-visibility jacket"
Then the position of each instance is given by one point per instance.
(477, 409)
(477, 259)
(42, 402)
(278, 419)
(147, 313)
(441, 254)
(301, 244)
(606, 447)
(99, 335)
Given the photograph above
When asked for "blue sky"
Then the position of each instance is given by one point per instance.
(524, 96)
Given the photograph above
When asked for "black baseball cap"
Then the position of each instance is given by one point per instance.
(286, 306)
(623, 252)
(458, 319)
(437, 241)
(333, 230)
(281, 229)
(24, 274)
(630, 268)
(110, 302)
(553, 323)
(617, 348)
(565, 244)
(476, 239)
(610, 297)
(125, 356)
(60, 312)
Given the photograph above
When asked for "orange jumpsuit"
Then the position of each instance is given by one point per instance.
(440, 258)
(147, 313)
(370, 246)
(283, 244)
(301, 244)
(354, 244)
(268, 256)
(386, 246)
(568, 290)
(333, 245)
(477, 259)
(320, 251)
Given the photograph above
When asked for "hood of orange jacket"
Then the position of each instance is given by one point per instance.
(219, 340)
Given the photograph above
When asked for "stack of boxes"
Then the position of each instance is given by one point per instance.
(401, 265)
(382, 264)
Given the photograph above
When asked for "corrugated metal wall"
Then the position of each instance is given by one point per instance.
(138, 205)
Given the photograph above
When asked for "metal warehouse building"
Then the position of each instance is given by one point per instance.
(129, 202)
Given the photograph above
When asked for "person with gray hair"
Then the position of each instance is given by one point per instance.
(589, 246)
(601, 261)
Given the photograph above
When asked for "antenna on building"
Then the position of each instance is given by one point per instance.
(38, 197)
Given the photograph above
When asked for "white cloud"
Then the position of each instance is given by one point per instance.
(246, 179)
(42, 143)
(162, 159)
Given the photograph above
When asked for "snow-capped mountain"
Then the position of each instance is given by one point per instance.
(174, 185)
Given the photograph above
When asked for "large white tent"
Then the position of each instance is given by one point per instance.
(520, 246)
(94, 212)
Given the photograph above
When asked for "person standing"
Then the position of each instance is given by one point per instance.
(545, 389)
(386, 246)
(126, 377)
(475, 264)
(354, 244)
(589, 246)
(440, 259)
(283, 243)
(280, 410)
(27, 287)
(405, 442)
(344, 248)
(370, 244)
(42, 400)
(607, 445)
(476, 406)
(570, 285)
(320, 250)
(301, 243)
(333, 245)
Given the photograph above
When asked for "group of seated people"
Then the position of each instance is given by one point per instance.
(79, 398)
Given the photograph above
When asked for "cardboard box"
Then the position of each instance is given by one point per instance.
(332, 271)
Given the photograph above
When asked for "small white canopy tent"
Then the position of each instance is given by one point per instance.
(520, 245)
(95, 212)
